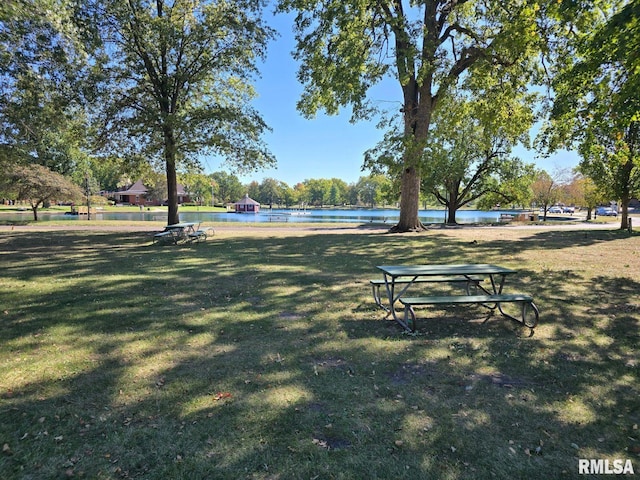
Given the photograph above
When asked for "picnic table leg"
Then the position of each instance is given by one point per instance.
(495, 289)
(393, 298)
(525, 306)
(376, 297)
(471, 281)
(409, 313)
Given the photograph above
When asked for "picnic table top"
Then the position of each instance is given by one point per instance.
(181, 225)
(460, 269)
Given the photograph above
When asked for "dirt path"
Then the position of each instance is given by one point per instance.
(269, 229)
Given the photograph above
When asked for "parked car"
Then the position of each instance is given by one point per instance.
(606, 212)
(568, 210)
(555, 210)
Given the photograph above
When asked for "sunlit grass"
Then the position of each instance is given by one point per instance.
(260, 355)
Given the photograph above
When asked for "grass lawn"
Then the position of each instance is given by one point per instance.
(259, 355)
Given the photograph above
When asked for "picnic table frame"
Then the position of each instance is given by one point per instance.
(404, 276)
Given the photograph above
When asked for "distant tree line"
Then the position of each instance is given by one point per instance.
(223, 187)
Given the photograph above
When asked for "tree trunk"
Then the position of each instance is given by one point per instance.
(451, 213)
(417, 116)
(626, 196)
(409, 201)
(172, 182)
(624, 222)
(452, 206)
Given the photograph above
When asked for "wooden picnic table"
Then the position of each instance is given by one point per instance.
(400, 278)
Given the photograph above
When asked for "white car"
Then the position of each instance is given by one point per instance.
(555, 210)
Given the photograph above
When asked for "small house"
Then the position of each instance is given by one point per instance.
(247, 205)
(134, 195)
(137, 194)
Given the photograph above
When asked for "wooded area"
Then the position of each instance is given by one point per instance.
(107, 93)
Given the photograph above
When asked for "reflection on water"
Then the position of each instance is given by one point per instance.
(328, 216)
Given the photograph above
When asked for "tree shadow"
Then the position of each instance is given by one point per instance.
(266, 358)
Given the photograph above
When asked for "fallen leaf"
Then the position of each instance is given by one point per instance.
(221, 396)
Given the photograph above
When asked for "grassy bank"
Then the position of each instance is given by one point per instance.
(260, 355)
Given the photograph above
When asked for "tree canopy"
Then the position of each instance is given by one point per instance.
(38, 185)
(429, 47)
(42, 71)
(596, 104)
(129, 83)
(177, 81)
(468, 154)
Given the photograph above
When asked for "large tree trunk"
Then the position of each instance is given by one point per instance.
(409, 202)
(172, 182)
(417, 107)
(416, 127)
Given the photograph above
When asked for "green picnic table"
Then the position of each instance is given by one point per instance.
(398, 279)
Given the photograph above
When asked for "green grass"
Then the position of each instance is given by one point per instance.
(260, 355)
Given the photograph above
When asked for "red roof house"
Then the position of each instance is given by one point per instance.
(136, 194)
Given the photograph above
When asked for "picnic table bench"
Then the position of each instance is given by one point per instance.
(166, 235)
(198, 235)
(490, 301)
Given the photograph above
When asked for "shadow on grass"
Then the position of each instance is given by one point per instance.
(265, 358)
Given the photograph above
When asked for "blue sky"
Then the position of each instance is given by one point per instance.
(326, 146)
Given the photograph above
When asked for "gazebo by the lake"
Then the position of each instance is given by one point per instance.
(247, 205)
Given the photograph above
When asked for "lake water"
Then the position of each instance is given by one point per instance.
(390, 216)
